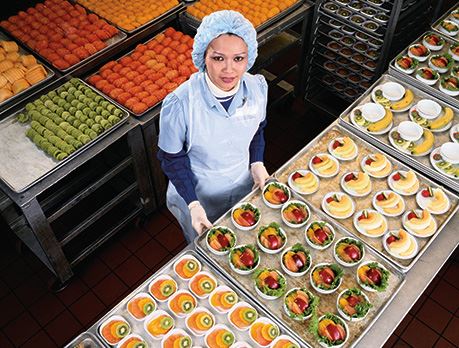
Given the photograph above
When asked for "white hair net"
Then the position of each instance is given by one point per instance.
(219, 23)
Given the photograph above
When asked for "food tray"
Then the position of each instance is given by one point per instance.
(137, 326)
(327, 303)
(421, 163)
(320, 145)
(146, 24)
(85, 340)
(50, 73)
(411, 78)
(194, 22)
(23, 162)
(437, 25)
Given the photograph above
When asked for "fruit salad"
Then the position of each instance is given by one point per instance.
(202, 284)
(349, 251)
(244, 259)
(326, 278)
(163, 287)
(270, 283)
(223, 299)
(296, 260)
(275, 194)
(220, 240)
(182, 303)
(300, 303)
(220, 337)
(263, 332)
(141, 305)
(272, 238)
(242, 316)
(114, 329)
(200, 321)
(353, 304)
(320, 235)
(245, 216)
(160, 324)
(133, 341)
(295, 213)
(177, 338)
(332, 330)
(186, 267)
(372, 276)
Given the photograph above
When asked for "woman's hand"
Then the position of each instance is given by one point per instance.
(199, 219)
(259, 174)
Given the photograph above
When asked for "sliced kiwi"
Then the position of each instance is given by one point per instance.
(206, 321)
(230, 298)
(122, 329)
(228, 338)
(273, 332)
(250, 315)
(140, 345)
(166, 323)
(148, 308)
(185, 342)
(167, 290)
(191, 265)
(187, 306)
(207, 286)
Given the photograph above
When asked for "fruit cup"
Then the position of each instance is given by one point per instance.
(186, 267)
(220, 240)
(353, 304)
(272, 238)
(182, 303)
(133, 340)
(141, 305)
(275, 194)
(162, 287)
(270, 284)
(219, 337)
(202, 284)
(326, 278)
(244, 259)
(372, 276)
(245, 216)
(319, 235)
(263, 332)
(299, 304)
(348, 251)
(177, 338)
(284, 341)
(296, 260)
(332, 331)
(114, 329)
(222, 299)
(158, 324)
(295, 213)
(200, 321)
(242, 315)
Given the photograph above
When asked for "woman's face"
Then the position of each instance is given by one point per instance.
(226, 61)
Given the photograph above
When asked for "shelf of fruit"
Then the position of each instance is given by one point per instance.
(133, 15)
(432, 146)
(63, 33)
(141, 79)
(301, 265)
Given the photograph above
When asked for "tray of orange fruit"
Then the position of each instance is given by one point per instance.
(186, 303)
(142, 78)
(260, 13)
(62, 33)
(132, 16)
(396, 210)
(298, 270)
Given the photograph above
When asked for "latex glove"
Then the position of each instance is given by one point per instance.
(199, 219)
(259, 174)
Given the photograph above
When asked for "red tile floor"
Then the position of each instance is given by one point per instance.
(33, 316)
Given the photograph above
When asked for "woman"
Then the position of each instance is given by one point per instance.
(211, 127)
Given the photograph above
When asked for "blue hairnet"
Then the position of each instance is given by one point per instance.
(223, 22)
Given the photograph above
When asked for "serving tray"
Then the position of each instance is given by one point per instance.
(327, 303)
(320, 145)
(447, 16)
(421, 163)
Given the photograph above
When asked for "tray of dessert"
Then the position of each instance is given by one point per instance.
(398, 212)
(448, 24)
(410, 124)
(313, 276)
(260, 14)
(431, 63)
(132, 16)
(142, 78)
(62, 33)
(53, 129)
(19, 71)
(188, 304)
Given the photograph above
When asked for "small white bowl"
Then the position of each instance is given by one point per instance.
(296, 274)
(433, 66)
(270, 297)
(176, 332)
(182, 315)
(455, 56)
(450, 33)
(344, 263)
(265, 321)
(447, 91)
(450, 152)
(141, 295)
(273, 251)
(287, 311)
(423, 202)
(153, 316)
(323, 291)
(244, 228)
(283, 187)
(127, 338)
(363, 231)
(406, 71)
(428, 109)
(414, 233)
(195, 312)
(379, 209)
(397, 256)
(364, 286)
(303, 172)
(323, 155)
(221, 288)
(392, 91)
(236, 306)
(410, 131)
(419, 58)
(158, 278)
(292, 225)
(218, 327)
(107, 321)
(284, 337)
(372, 112)
(424, 80)
(243, 272)
(349, 190)
(432, 47)
(216, 252)
(187, 257)
(343, 314)
(339, 195)
(192, 280)
(315, 246)
(346, 328)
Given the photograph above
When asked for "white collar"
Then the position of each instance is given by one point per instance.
(219, 93)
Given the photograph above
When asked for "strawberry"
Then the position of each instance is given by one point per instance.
(316, 160)
(349, 177)
(426, 193)
(369, 161)
(396, 177)
(336, 144)
(296, 176)
(391, 239)
(330, 199)
(412, 215)
(381, 197)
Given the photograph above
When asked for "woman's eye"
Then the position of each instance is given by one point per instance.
(238, 59)
(217, 59)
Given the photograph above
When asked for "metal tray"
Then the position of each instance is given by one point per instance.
(194, 22)
(447, 15)
(327, 303)
(49, 72)
(421, 163)
(150, 22)
(320, 144)
(23, 162)
(85, 340)
(137, 326)
(433, 90)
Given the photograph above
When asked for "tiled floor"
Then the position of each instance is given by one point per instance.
(33, 316)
